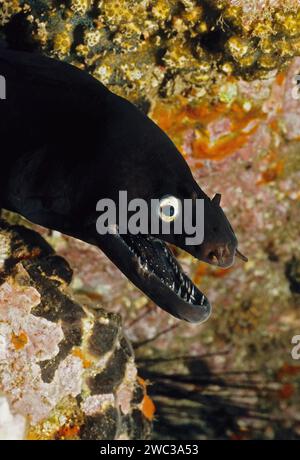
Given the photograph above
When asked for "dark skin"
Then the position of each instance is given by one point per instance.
(67, 142)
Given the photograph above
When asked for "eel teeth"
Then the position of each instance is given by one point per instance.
(214, 260)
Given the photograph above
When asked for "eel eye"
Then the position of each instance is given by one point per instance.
(169, 208)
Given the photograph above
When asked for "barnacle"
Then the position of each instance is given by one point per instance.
(177, 55)
(82, 50)
(237, 47)
(267, 62)
(161, 10)
(92, 37)
(7, 9)
(62, 43)
(103, 72)
(227, 68)
(247, 61)
(80, 6)
(42, 33)
(290, 25)
(116, 12)
(192, 15)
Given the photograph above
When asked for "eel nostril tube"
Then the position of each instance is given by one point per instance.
(241, 256)
(213, 257)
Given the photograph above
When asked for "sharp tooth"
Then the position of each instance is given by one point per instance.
(179, 292)
(193, 291)
(173, 285)
(202, 300)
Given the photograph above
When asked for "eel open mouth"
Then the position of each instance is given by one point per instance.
(151, 266)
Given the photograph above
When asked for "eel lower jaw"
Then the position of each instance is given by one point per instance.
(151, 266)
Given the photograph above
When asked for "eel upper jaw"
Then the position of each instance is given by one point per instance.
(151, 266)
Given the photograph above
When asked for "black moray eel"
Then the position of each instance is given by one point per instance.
(67, 142)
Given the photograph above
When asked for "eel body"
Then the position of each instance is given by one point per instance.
(68, 142)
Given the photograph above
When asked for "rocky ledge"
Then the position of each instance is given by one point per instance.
(67, 370)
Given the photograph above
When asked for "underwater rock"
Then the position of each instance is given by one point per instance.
(146, 49)
(66, 369)
(12, 427)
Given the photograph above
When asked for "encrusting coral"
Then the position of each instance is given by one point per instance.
(66, 368)
(145, 49)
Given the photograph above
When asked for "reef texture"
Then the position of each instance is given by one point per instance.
(66, 369)
(220, 78)
(145, 49)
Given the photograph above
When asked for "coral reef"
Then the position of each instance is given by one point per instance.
(67, 371)
(220, 78)
(146, 49)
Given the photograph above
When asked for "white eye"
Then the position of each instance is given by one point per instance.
(169, 208)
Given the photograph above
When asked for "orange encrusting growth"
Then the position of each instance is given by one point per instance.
(147, 405)
(205, 270)
(67, 432)
(288, 370)
(280, 78)
(200, 272)
(220, 272)
(286, 391)
(19, 341)
(77, 352)
(273, 168)
(148, 408)
(271, 173)
(180, 117)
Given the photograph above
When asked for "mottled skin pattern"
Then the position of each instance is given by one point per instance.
(50, 275)
(69, 142)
